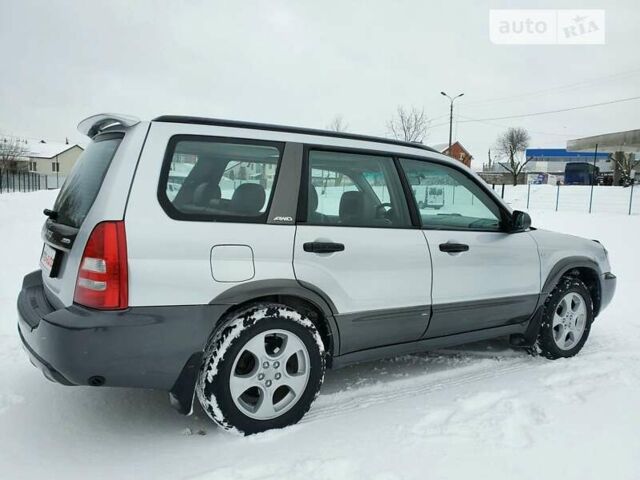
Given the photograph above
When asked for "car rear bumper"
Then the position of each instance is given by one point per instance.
(608, 289)
(148, 347)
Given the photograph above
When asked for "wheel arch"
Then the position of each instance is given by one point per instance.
(312, 301)
(580, 267)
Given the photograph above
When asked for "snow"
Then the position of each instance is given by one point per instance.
(48, 150)
(479, 411)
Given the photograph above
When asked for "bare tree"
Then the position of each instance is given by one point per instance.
(409, 125)
(512, 145)
(625, 163)
(338, 124)
(12, 151)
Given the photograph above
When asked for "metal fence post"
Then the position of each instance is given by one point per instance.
(631, 197)
(557, 194)
(528, 194)
(502, 192)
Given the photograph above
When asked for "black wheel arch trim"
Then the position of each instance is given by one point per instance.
(254, 290)
(559, 270)
(564, 266)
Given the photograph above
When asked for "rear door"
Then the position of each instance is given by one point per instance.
(356, 246)
(483, 277)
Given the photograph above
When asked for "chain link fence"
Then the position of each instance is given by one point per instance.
(575, 198)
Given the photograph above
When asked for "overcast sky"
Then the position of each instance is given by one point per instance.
(302, 62)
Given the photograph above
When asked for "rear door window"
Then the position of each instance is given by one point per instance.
(83, 184)
(218, 179)
(354, 190)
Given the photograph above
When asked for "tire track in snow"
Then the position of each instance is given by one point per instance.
(343, 402)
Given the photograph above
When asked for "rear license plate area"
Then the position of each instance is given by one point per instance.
(50, 260)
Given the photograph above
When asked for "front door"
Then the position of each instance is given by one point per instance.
(483, 277)
(356, 246)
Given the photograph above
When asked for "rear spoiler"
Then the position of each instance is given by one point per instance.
(93, 125)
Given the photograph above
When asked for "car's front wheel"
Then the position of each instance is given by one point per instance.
(566, 322)
(262, 369)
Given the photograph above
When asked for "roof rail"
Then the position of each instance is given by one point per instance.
(283, 128)
(94, 124)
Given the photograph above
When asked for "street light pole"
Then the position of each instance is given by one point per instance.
(451, 99)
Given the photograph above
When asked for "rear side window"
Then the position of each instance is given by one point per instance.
(83, 184)
(218, 179)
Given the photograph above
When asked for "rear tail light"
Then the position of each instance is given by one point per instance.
(103, 274)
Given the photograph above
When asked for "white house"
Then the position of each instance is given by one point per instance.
(48, 158)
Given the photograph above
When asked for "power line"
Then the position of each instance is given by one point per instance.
(523, 115)
(530, 131)
(559, 88)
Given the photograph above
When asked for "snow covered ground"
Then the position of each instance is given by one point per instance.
(482, 411)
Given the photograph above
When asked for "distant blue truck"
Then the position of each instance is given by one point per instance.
(580, 174)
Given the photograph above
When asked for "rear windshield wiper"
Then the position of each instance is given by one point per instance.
(52, 214)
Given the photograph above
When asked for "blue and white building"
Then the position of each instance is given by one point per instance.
(554, 160)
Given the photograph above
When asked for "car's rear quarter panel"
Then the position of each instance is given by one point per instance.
(170, 260)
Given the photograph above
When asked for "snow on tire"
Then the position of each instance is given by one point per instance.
(566, 321)
(262, 369)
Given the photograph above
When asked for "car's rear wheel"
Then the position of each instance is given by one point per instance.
(566, 322)
(262, 369)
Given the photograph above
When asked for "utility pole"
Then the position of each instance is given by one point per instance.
(593, 177)
(451, 99)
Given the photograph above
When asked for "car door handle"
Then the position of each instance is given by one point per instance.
(451, 247)
(323, 247)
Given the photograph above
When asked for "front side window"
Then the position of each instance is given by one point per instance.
(355, 190)
(218, 179)
(448, 199)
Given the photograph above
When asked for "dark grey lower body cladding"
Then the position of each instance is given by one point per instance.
(460, 317)
(381, 327)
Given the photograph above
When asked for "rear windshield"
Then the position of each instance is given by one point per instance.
(83, 184)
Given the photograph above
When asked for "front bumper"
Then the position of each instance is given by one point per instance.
(608, 283)
(147, 347)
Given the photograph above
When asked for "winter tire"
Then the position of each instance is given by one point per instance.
(262, 369)
(566, 320)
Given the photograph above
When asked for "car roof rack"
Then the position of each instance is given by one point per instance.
(283, 128)
(93, 125)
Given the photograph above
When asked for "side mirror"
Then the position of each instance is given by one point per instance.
(520, 221)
